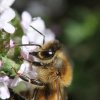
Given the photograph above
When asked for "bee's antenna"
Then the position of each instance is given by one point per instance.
(39, 33)
(29, 45)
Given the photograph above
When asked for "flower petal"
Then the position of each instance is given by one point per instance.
(5, 3)
(49, 36)
(28, 70)
(34, 37)
(26, 49)
(25, 40)
(9, 28)
(26, 18)
(5, 79)
(32, 34)
(7, 15)
(4, 92)
(1, 24)
(24, 67)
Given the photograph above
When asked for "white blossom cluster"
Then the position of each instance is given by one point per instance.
(30, 36)
(6, 15)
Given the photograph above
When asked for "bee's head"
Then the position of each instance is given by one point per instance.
(47, 51)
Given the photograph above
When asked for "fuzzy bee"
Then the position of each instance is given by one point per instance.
(53, 68)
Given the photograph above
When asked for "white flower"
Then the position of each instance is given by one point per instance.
(37, 23)
(4, 92)
(32, 36)
(5, 4)
(5, 19)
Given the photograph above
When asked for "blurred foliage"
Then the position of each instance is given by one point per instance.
(82, 37)
(82, 28)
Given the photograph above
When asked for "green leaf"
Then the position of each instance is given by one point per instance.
(77, 31)
(8, 66)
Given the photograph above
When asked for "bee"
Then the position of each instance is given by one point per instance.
(53, 68)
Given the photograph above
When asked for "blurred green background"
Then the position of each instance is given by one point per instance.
(76, 24)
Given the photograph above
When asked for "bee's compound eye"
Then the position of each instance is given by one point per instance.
(46, 54)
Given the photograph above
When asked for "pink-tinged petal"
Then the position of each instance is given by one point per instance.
(39, 24)
(7, 15)
(5, 79)
(12, 43)
(24, 52)
(9, 28)
(4, 92)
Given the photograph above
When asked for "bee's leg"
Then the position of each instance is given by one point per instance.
(22, 76)
(27, 79)
(36, 82)
(35, 93)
